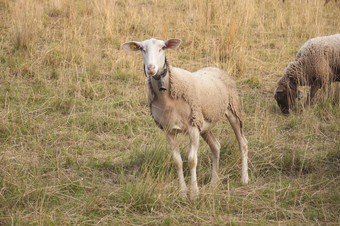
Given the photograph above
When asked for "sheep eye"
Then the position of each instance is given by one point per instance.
(164, 47)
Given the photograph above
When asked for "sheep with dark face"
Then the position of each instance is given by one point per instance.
(329, 1)
(317, 64)
(192, 103)
(326, 1)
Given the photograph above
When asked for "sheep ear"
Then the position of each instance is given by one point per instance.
(132, 46)
(172, 43)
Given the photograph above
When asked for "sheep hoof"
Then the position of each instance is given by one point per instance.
(194, 194)
(183, 195)
(245, 180)
(215, 182)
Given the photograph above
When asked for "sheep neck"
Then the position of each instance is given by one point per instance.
(162, 83)
(154, 86)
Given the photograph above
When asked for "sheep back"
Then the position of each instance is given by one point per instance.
(209, 93)
(318, 60)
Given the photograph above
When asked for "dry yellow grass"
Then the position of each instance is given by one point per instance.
(77, 144)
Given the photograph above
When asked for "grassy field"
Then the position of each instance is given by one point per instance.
(78, 145)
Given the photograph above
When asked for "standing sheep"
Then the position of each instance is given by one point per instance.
(184, 102)
(317, 64)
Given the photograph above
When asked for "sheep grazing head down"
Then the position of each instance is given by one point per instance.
(153, 52)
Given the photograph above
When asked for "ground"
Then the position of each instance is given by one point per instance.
(78, 144)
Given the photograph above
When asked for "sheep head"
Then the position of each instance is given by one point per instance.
(153, 52)
(285, 96)
(282, 99)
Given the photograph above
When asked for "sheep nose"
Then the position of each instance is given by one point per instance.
(151, 69)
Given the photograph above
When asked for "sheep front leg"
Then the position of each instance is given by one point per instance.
(313, 90)
(243, 144)
(194, 141)
(215, 150)
(178, 163)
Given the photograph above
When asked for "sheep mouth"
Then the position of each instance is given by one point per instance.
(283, 107)
(285, 111)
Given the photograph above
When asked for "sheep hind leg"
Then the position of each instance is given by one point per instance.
(243, 143)
(194, 142)
(178, 163)
(215, 146)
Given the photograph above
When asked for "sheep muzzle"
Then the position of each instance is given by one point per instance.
(281, 96)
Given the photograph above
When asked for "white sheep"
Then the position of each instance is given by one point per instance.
(184, 102)
(317, 64)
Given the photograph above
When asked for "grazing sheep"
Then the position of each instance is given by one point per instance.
(329, 1)
(326, 1)
(184, 102)
(317, 64)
